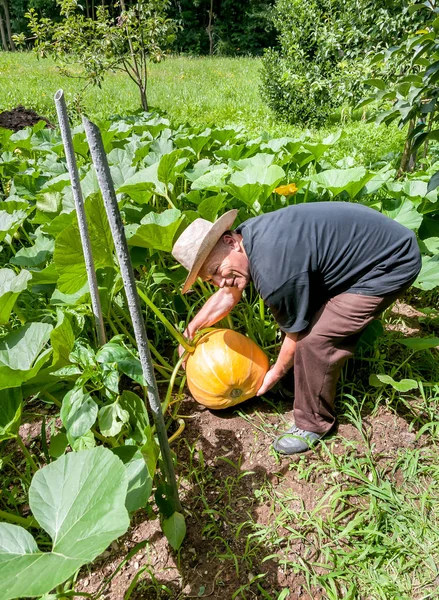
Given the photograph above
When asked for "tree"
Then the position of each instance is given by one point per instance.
(224, 27)
(125, 41)
(8, 43)
(409, 90)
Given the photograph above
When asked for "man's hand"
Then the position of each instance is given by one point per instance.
(284, 362)
(270, 379)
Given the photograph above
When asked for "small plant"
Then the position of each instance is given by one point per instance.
(409, 92)
(89, 48)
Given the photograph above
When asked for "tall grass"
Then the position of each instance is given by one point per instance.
(198, 91)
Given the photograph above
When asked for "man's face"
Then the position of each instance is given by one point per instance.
(227, 265)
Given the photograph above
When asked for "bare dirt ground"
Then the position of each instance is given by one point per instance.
(21, 117)
(224, 464)
(197, 571)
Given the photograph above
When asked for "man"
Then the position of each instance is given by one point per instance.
(325, 269)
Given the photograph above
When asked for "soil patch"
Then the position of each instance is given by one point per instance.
(225, 463)
(21, 117)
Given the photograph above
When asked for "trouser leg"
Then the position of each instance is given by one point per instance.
(323, 349)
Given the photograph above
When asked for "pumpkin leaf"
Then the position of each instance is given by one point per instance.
(156, 230)
(36, 254)
(79, 500)
(11, 286)
(337, 181)
(253, 184)
(69, 255)
(22, 354)
(428, 278)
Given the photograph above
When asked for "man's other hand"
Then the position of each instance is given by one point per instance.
(270, 379)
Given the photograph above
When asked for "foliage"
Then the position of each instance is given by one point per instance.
(320, 60)
(95, 46)
(164, 177)
(411, 94)
(79, 500)
(238, 28)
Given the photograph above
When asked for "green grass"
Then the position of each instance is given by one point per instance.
(198, 91)
(368, 527)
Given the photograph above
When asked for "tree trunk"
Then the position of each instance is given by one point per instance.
(8, 24)
(407, 151)
(209, 28)
(3, 33)
(87, 9)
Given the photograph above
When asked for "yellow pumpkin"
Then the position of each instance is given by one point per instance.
(225, 369)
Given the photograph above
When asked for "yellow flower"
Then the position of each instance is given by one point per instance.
(286, 190)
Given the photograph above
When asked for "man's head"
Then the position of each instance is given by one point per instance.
(227, 265)
(198, 240)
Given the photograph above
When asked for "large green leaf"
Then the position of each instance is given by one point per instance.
(62, 339)
(34, 255)
(10, 221)
(261, 160)
(404, 212)
(80, 501)
(317, 149)
(428, 278)
(254, 184)
(141, 186)
(10, 412)
(194, 141)
(156, 230)
(418, 189)
(22, 354)
(126, 362)
(11, 286)
(69, 256)
(211, 206)
(337, 181)
(212, 180)
(170, 167)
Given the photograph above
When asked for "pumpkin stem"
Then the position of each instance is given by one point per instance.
(172, 330)
(167, 399)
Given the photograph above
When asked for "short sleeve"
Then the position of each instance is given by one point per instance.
(290, 304)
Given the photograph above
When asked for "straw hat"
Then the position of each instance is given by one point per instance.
(196, 243)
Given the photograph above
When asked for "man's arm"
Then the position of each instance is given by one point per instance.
(216, 308)
(283, 364)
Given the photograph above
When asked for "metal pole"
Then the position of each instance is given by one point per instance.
(107, 188)
(66, 135)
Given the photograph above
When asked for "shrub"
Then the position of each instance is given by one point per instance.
(323, 47)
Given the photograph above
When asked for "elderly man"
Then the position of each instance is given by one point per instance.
(325, 270)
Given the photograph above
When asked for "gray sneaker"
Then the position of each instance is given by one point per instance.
(296, 440)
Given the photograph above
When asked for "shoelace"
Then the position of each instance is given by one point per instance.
(295, 430)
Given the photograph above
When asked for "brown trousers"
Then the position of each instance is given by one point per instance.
(322, 350)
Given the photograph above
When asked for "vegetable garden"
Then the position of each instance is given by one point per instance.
(351, 519)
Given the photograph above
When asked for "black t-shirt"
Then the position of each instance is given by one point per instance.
(302, 255)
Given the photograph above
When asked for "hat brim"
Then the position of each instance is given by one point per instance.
(218, 228)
